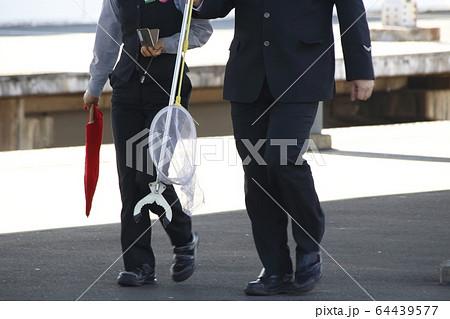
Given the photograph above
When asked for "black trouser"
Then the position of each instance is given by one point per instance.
(280, 171)
(134, 106)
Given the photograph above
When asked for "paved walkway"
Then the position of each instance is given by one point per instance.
(385, 191)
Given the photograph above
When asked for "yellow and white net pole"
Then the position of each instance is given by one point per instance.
(181, 53)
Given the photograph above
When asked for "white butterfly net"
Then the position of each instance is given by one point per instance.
(172, 146)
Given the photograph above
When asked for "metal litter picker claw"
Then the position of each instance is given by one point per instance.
(154, 197)
(172, 141)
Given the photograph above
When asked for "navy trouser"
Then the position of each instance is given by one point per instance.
(134, 106)
(278, 169)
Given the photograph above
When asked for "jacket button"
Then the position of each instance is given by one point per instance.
(266, 15)
(266, 43)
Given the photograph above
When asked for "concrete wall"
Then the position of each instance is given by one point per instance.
(56, 12)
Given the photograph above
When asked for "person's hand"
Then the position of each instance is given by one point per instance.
(153, 51)
(361, 90)
(90, 100)
(197, 3)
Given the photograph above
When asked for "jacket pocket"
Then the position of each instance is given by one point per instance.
(314, 39)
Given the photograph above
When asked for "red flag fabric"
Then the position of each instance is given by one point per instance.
(94, 135)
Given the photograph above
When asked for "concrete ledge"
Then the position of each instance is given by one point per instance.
(212, 76)
(66, 83)
(390, 33)
(322, 141)
(411, 64)
(445, 272)
(404, 64)
(43, 84)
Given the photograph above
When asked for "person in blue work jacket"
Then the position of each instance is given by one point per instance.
(281, 65)
(141, 83)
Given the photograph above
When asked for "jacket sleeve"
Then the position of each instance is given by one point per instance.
(355, 38)
(199, 33)
(108, 40)
(212, 9)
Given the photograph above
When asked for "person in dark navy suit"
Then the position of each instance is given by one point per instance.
(281, 65)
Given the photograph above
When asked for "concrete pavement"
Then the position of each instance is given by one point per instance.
(391, 245)
(385, 191)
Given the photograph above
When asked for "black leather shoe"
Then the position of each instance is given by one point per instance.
(267, 285)
(184, 260)
(144, 274)
(308, 273)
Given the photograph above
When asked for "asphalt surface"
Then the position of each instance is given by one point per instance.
(385, 248)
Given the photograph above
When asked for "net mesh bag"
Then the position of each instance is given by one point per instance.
(172, 147)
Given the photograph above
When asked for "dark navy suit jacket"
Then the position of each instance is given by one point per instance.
(291, 43)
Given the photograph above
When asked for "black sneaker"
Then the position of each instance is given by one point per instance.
(143, 274)
(306, 284)
(308, 273)
(184, 260)
(267, 285)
